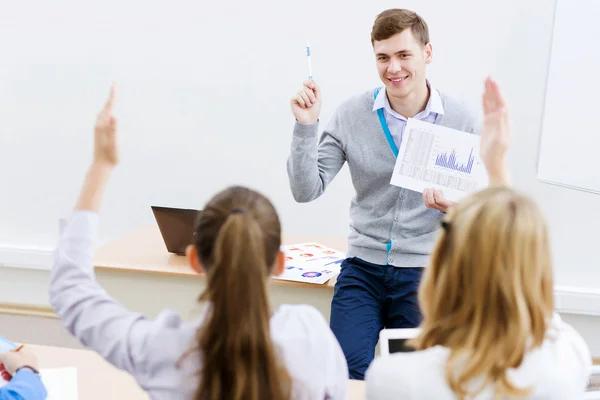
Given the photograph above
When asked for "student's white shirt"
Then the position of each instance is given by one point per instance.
(558, 370)
(159, 352)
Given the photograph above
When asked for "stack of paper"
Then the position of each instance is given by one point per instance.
(311, 262)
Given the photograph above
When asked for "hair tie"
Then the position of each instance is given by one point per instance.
(239, 211)
(445, 225)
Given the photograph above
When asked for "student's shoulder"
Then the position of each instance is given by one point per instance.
(411, 362)
(298, 315)
(169, 332)
(560, 367)
(565, 341)
(398, 375)
(300, 322)
(391, 377)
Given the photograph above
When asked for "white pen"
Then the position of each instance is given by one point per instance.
(309, 60)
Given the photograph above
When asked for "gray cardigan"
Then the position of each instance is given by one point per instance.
(388, 224)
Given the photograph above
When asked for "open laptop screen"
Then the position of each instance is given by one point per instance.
(394, 340)
(176, 227)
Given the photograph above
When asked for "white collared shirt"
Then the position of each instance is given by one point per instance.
(558, 370)
(151, 350)
(397, 122)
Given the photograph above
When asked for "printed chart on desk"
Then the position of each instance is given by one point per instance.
(433, 156)
(311, 263)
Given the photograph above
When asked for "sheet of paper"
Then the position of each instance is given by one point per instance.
(61, 383)
(311, 262)
(433, 156)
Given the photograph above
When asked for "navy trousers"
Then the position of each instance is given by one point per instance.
(367, 298)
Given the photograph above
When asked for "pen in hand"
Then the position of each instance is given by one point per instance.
(308, 57)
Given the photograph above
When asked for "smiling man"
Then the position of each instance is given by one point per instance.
(392, 229)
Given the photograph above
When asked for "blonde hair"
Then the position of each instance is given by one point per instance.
(488, 293)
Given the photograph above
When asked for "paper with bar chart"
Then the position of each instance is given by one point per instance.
(433, 156)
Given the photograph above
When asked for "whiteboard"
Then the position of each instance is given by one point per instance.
(570, 138)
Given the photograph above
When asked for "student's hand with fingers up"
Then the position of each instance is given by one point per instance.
(495, 134)
(106, 151)
(306, 105)
(434, 198)
(106, 156)
(22, 358)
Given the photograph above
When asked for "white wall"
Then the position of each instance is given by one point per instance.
(203, 103)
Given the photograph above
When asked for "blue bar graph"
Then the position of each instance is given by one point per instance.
(449, 161)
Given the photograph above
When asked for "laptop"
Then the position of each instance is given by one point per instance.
(176, 227)
(394, 340)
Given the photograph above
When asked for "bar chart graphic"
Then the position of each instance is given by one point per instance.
(450, 161)
(434, 156)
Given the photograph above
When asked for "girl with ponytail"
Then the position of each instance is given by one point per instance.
(240, 348)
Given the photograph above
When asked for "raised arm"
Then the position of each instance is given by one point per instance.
(86, 310)
(312, 163)
(495, 134)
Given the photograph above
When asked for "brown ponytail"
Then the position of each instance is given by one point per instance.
(238, 238)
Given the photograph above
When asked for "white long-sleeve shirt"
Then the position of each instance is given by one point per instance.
(558, 370)
(152, 349)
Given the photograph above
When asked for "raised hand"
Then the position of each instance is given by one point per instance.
(306, 105)
(495, 133)
(105, 133)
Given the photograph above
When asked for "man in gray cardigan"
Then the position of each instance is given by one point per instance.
(392, 229)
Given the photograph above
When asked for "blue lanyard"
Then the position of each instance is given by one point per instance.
(385, 127)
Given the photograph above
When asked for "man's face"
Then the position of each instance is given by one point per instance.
(401, 62)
